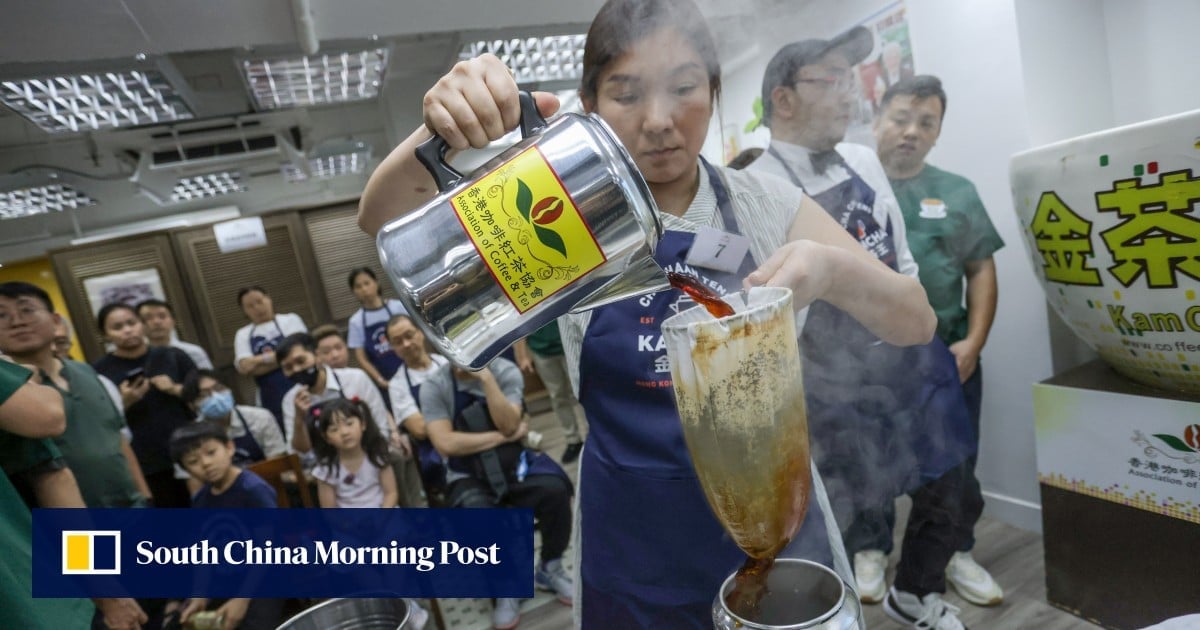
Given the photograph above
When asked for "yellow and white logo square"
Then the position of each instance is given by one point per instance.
(91, 552)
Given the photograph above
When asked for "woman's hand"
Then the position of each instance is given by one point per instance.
(476, 102)
(802, 266)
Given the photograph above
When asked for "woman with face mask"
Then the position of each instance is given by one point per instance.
(253, 430)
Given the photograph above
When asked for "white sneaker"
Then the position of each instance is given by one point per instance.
(925, 613)
(507, 613)
(870, 567)
(972, 581)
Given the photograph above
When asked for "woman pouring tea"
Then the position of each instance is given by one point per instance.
(651, 552)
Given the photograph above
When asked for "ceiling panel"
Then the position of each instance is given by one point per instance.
(68, 30)
(179, 25)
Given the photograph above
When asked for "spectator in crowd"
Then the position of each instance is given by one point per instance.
(953, 240)
(64, 338)
(35, 463)
(158, 317)
(367, 335)
(254, 347)
(28, 411)
(316, 382)
(884, 419)
(475, 420)
(93, 442)
(331, 347)
(353, 465)
(313, 382)
(542, 353)
(408, 342)
(150, 380)
(253, 430)
(205, 450)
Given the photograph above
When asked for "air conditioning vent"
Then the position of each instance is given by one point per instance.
(213, 150)
(193, 129)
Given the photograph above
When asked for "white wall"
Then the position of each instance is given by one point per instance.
(1152, 58)
(973, 47)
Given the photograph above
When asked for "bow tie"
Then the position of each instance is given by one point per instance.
(822, 160)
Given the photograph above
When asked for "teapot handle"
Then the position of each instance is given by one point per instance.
(432, 153)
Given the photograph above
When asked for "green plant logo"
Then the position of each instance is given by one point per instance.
(541, 215)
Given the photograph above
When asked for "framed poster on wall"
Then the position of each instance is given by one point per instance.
(127, 287)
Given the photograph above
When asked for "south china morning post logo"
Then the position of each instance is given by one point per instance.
(91, 552)
(320, 552)
(283, 553)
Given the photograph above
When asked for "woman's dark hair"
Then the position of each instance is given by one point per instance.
(319, 417)
(622, 23)
(191, 384)
(244, 290)
(108, 309)
(919, 87)
(354, 273)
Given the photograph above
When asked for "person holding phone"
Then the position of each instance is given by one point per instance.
(150, 380)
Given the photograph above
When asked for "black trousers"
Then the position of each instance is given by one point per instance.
(942, 520)
(168, 491)
(549, 496)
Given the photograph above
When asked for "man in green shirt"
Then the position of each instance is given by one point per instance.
(28, 413)
(951, 238)
(93, 444)
(542, 351)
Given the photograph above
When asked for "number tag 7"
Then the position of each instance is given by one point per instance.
(718, 250)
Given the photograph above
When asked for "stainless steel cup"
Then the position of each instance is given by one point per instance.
(561, 221)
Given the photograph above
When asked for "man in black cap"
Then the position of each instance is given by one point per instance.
(882, 419)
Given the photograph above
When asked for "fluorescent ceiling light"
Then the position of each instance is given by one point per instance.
(535, 59)
(207, 185)
(315, 79)
(328, 166)
(100, 100)
(25, 202)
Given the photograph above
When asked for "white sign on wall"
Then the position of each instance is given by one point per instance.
(239, 234)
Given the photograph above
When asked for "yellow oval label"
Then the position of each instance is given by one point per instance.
(527, 230)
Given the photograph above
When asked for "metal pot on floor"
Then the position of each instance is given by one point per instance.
(347, 614)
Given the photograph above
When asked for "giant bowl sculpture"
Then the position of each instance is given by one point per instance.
(1111, 224)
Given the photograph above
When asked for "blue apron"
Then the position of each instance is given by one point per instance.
(884, 419)
(654, 555)
(246, 449)
(516, 461)
(273, 385)
(433, 468)
(379, 350)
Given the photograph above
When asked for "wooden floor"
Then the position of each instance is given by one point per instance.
(1013, 556)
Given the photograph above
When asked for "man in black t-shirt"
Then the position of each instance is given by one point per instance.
(150, 380)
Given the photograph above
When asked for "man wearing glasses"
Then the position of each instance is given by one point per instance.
(883, 420)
